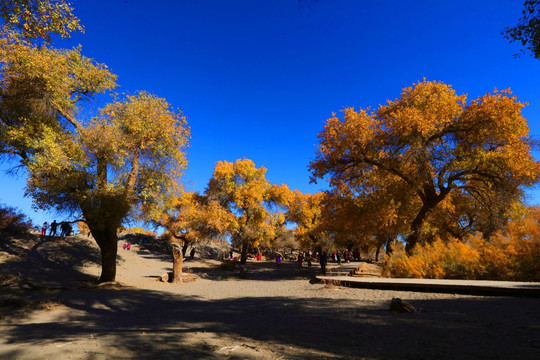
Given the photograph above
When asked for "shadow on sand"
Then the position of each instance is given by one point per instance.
(159, 325)
(133, 323)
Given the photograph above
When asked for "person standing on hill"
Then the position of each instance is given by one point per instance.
(44, 228)
(65, 229)
(54, 225)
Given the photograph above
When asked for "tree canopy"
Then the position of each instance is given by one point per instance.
(188, 219)
(132, 153)
(306, 211)
(243, 190)
(527, 31)
(431, 144)
(38, 19)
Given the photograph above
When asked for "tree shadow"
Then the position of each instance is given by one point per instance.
(256, 270)
(48, 261)
(163, 325)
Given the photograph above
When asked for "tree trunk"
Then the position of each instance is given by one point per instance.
(178, 260)
(378, 252)
(243, 256)
(184, 248)
(107, 241)
(388, 244)
(416, 226)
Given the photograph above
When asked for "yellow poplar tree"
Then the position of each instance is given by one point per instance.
(245, 193)
(133, 152)
(190, 218)
(306, 211)
(435, 144)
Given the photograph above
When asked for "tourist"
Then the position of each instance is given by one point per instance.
(54, 225)
(65, 229)
(323, 259)
(44, 228)
(300, 259)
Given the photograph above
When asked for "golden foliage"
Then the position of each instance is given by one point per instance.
(427, 144)
(192, 217)
(244, 192)
(132, 154)
(513, 254)
(39, 18)
(306, 210)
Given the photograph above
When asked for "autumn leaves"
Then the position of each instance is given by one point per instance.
(428, 155)
(428, 165)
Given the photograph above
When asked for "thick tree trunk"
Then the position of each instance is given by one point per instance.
(414, 235)
(243, 256)
(416, 226)
(107, 241)
(378, 252)
(178, 260)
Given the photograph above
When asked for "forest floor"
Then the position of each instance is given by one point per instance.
(51, 308)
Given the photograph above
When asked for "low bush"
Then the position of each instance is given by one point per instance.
(13, 222)
(513, 254)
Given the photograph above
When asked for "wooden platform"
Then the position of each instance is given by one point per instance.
(486, 287)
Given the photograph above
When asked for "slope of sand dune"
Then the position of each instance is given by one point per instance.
(50, 310)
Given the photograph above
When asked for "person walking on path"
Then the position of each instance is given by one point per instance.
(323, 260)
(278, 261)
(338, 257)
(300, 259)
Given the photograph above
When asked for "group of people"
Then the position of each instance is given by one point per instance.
(64, 226)
(308, 257)
(337, 258)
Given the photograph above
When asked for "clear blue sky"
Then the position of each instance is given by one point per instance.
(258, 78)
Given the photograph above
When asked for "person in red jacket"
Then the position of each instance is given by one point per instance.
(300, 259)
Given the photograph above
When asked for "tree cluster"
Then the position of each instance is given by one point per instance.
(428, 165)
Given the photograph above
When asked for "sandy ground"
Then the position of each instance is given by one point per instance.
(50, 310)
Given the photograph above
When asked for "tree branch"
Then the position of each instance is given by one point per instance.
(70, 119)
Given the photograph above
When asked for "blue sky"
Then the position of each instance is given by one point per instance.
(258, 78)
